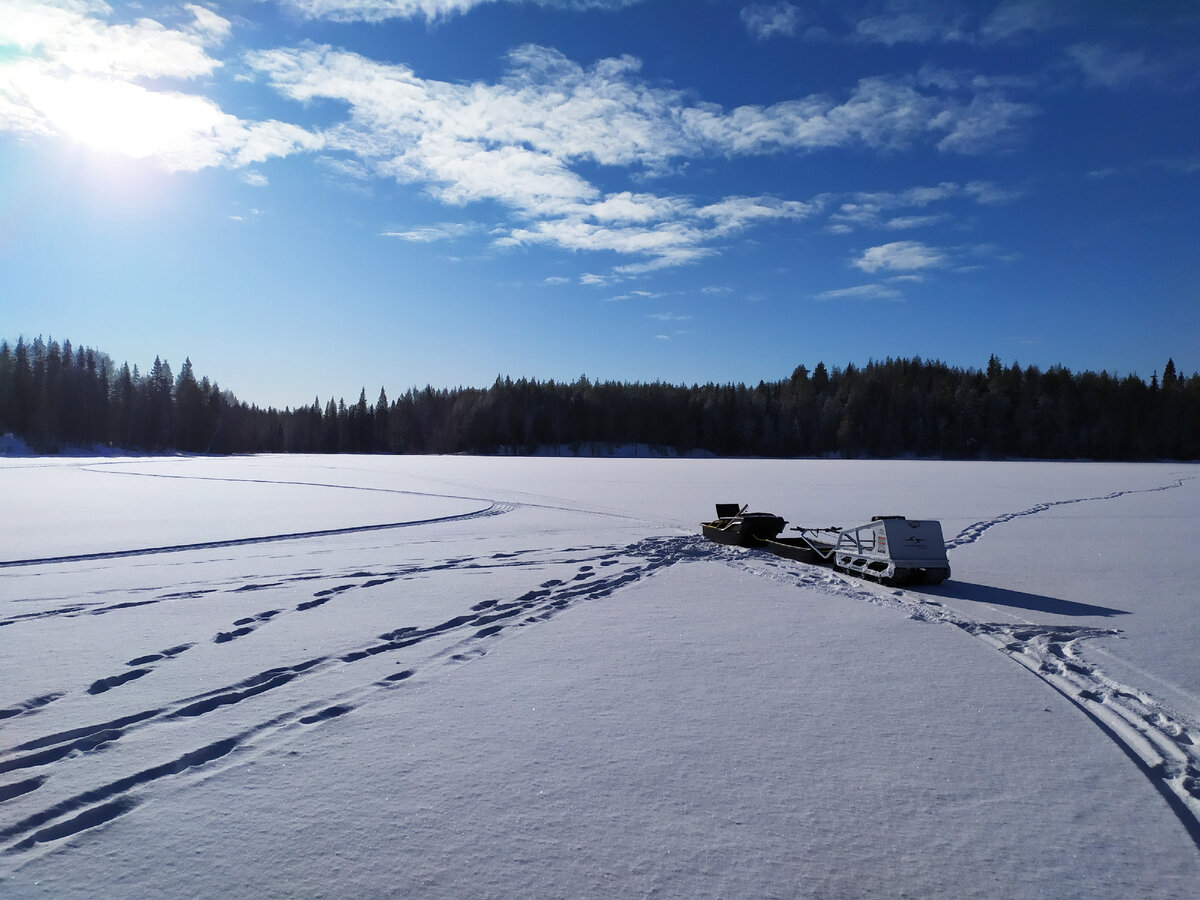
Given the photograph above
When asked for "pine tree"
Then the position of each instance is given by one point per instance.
(189, 411)
(382, 433)
(1170, 380)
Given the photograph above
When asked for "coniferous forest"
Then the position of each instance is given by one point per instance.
(56, 395)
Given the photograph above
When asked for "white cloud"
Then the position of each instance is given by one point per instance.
(71, 36)
(901, 256)
(990, 252)
(637, 295)
(908, 260)
(1016, 17)
(902, 223)
(628, 208)
(519, 143)
(549, 112)
(878, 209)
(917, 25)
(527, 142)
(737, 213)
(861, 292)
(990, 194)
(380, 10)
(427, 234)
(1104, 66)
(208, 23)
(523, 141)
(350, 168)
(431, 10)
(77, 77)
(668, 317)
(881, 113)
(892, 22)
(1172, 166)
(765, 20)
(988, 123)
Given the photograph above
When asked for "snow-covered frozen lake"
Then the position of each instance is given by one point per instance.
(479, 677)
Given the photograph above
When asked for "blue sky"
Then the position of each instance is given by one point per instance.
(310, 197)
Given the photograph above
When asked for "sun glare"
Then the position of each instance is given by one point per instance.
(119, 117)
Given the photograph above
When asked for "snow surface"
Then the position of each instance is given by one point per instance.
(470, 677)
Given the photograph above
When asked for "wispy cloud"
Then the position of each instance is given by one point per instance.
(1014, 18)
(893, 22)
(427, 234)
(904, 223)
(1177, 166)
(989, 122)
(248, 216)
(901, 256)
(905, 261)
(350, 168)
(879, 209)
(1107, 67)
(880, 113)
(636, 295)
(431, 10)
(861, 292)
(990, 194)
(766, 20)
(913, 24)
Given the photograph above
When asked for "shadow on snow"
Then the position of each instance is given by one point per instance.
(995, 596)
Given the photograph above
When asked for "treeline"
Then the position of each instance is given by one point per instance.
(55, 395)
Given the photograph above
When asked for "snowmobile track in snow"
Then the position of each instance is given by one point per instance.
(1163, 746)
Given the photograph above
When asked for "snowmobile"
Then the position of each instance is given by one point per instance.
(889, 549)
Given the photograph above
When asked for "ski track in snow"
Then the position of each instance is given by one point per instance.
(972, 533)
(492, 509)
(1162, 744)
